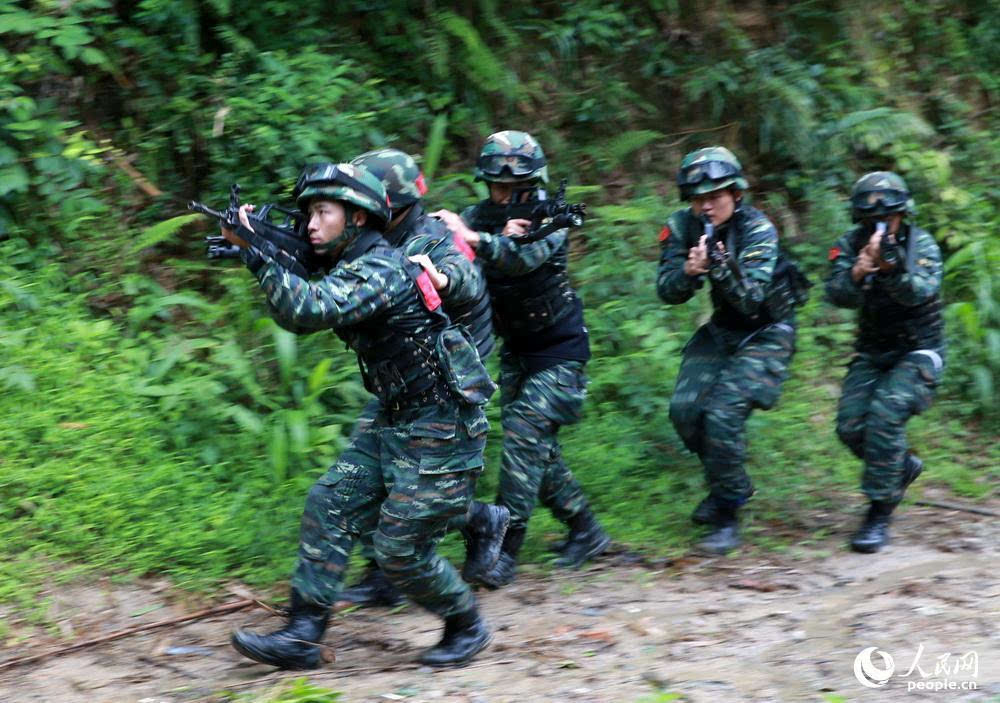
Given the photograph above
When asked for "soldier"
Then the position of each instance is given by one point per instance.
(415, 467)
(545, 349)
(739, 359)
(890, 270)
(466, 301)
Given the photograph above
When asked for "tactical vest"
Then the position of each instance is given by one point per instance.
(398, 357)
(475, 315)
(787, 290)
(537, 303)
(886, 325)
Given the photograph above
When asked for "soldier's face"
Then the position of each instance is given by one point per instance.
(718, 205)
(500, 193)
(327, 221)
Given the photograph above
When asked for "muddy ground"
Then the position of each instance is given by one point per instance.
(754, 627)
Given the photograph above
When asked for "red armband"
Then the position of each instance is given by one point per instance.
(432, 301)
(463, 246)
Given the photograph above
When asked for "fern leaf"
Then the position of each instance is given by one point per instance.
(162, 231)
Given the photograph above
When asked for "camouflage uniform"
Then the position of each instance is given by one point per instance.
(900, 349)
(403, 477)
(541, 388)
(465, 299)
(545, 348)
(739, 359)
(407, 473)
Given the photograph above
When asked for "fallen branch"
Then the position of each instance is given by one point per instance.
(140, 180)
(209, 612)
(957, 506)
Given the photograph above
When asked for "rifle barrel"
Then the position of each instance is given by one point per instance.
(206, 210)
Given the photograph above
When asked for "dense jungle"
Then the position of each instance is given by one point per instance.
(159, 428)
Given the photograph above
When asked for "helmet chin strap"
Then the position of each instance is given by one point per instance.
(340, 244)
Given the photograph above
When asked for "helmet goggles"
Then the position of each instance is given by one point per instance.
(873, 201)
(514, 164)
(330, 175)
(711, 170)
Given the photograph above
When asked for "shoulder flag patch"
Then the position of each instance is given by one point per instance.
(664, 233)
(834, 253)
(430, 296)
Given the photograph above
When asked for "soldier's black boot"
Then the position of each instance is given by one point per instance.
(725, 535)
(874, 531)
(465, 635)
(913, 466)
(505, 569)
(586, 540)
(484, 533)
(296, 645)
(373, 590)
(707, 512)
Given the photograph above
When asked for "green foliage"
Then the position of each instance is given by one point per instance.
(661, 697)
(975, 323)
(294, 691)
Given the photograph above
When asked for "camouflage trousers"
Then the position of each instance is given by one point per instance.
(880, 394)
(725, 375)
(402, 477)
(533, 408)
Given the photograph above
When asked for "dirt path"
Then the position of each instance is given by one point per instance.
(775, 628)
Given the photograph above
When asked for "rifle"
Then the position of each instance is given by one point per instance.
(719, 258)
(892, 251)
(281, 240)
(548, 216)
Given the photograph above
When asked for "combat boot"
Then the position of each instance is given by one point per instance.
(913, 466)
(505, 569)
(874, 531)
(725, 536)
(707, 512)
(586, 539)
(296, 645)
(484, 534)
(373, 590)
(465, 635)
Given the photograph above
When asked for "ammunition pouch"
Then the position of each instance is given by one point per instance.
(789, 289)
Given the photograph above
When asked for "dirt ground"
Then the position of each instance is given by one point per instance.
(772, 627)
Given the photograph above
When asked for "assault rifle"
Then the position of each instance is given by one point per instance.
(888, 251)
(548, 216)
(719, 258)
(277, 233)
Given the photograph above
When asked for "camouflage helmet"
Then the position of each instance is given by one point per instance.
(511, 157)
(709, 169)
(346, 183)
(880, 193)
(399, 173)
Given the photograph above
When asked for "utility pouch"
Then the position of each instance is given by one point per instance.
(789, 289)
(461, 367)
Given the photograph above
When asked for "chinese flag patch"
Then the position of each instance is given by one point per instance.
(431, 298)
(834, 253)
(664, 233)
